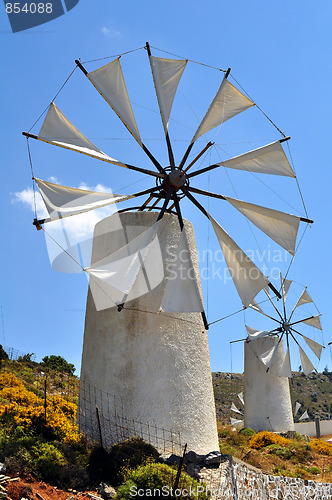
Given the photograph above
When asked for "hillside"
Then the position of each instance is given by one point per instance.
(313, 392)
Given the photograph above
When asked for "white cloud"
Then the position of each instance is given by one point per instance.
(111, 32)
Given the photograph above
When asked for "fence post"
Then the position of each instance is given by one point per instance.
(317, 424)
(177, 479)
(233, 479)
(99, 427)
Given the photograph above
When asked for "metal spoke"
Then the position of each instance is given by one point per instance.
(206, 193)
(206, 169)
(305, 319)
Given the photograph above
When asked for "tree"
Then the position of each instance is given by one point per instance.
(58, 363)
(3, 355)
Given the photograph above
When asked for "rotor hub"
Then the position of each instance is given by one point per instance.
(286, 326)
(176, 178)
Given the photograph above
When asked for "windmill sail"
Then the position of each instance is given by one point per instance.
(314, 346)
(307, 366)
(269, 159)
(268, 357)
(110, 83)
(181, 292)
(286, 370)
(303, 299)
(255, 306)
(255, 334)
(247, 278)
(279, 226)
(235, 409)
(285, 287)
(228, 102)
(59, 131)
(64, 201)
(240, 396)
(313, 321)
(297, 407)
(235, 421)
(166, 76)
(114, 279)
(304, 416)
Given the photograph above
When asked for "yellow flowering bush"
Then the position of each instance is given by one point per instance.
(265, 438)
(322, 447)
(27, 410)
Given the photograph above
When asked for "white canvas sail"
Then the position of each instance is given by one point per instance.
(235, 421)
(303, 299)
(268, 356)
(109, 81)
(256, 306)
(285, 287)
(286, 370)
(255, 334)
(313, 321)
(228, 102)
(235, 409)
(240, 396)
(58, 130)
(304, 416)
(269, 159)
(114, 278)
(181, 292)
(314, 346)
(307, 366)
(297, 407)
(279, 226)
(247, 278)
(166, 76)
(64, 201)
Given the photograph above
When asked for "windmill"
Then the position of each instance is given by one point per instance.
(239, 411)
(268, 367)
(120, 272)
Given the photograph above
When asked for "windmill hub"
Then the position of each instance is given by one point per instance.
(286, 326)
(176, 178)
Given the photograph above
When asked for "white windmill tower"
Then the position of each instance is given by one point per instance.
(154, 354)
(267, 366)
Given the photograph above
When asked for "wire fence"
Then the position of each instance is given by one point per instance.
(102, 418)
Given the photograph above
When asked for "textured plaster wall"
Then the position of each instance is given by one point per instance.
(267, 396)
(157, 364)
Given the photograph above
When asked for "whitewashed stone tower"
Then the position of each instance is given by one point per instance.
(156, 364)
(266, 395)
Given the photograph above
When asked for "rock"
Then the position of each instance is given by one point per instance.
(213, 458)
(2, 468)
(106, 490)
(191, 456)
(173, 460)
(193, 470)
(71, 498)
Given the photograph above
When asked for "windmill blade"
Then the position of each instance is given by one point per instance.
(255, 334)
(235, 421)
(286, 370)
(285, 284)
(110, 83)
(115, 276)
(269, 159)
(313, 321)
(307, 366)
(235, 409)
(304, 416)
(279, 226)
(256, 306)
(240, 396)
(268, 356)
(247, 278)
(166, 77)
(63, 201)
(297, 407)
(314, 346)
(303, 299)
(228, 102)
(59, 131)
(181, 292)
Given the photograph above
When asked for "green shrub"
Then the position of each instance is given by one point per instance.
(314, 470)
(47, 461)
(280, 451)
(300, 472)
(156, 477)
(110, 466)
(247, 432)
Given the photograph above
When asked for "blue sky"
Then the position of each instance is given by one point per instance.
(280, 52)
